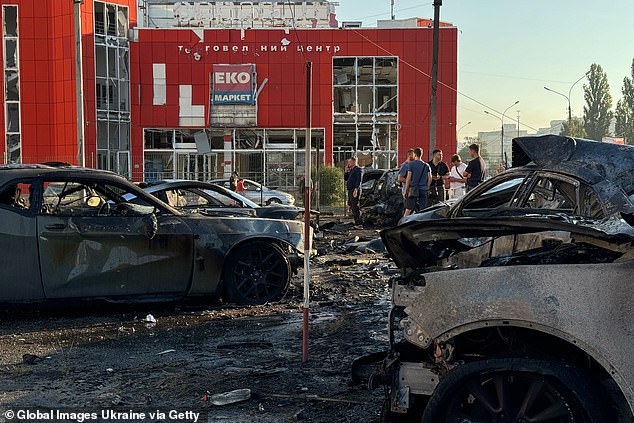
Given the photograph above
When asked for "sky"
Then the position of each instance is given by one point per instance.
(508, 50)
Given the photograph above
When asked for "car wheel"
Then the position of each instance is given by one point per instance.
(256, 273)
(273, 200)
(515, 390)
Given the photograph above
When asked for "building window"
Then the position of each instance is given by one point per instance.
(270, 156)
(365, 101)
(112, 90)
(11, 69)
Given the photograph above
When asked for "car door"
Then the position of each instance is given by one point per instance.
(94, 244)
(20, 275)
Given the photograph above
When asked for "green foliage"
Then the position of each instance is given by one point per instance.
(574, 129)
(596, 113)
(624, 126)
(331, 186)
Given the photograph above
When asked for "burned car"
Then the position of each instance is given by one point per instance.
(381, 202)
(212, 199)
(70, 233)
(510, 316)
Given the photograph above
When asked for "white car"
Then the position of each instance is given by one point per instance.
(257, 192)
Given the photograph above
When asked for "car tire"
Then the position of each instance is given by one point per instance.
(256, 273)
(517, 390)
(273, 200)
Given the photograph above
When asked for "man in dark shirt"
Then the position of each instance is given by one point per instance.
(352, 176)
(476, 169)
(439, 171)
(419, 174)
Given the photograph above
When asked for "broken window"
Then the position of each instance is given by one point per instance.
(345, 100)
(12, 91)
(13, 117)
(17, 195)
(386, 99)
(111, 19)
(10, 21)
(112, 68)
(385, 71)
(10, 53)
(365, 95)
(100, 18)
(122, 22)
(344, 71)
(499, 195)
(76, 198)
(553, 194)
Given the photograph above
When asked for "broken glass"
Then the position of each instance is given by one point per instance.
(10, 21)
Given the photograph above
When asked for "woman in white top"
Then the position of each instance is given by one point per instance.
(456, 177)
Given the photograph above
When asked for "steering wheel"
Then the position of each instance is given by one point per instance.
(104, 209)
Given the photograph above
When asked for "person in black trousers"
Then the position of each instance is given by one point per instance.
(352, 176)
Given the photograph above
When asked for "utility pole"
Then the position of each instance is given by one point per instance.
(307, 228)
(434, 79)
(393, 10)
(79, 83)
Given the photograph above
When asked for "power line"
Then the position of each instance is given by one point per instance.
(429, 76)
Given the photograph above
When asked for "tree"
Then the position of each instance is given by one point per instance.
(624, 126)
(574, 129)
(596, 113)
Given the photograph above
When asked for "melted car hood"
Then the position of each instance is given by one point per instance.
(610, 161)
(422, 244)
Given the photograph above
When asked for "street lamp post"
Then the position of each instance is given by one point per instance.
(567, 97)
(502, 128)
(460, 129)
(502, 142)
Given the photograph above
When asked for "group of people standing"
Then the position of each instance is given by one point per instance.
(423, 183)
(429, 183)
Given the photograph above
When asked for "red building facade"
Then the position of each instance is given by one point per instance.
(148, 94)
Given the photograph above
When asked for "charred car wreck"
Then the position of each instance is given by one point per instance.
(71, 233)
(381, 203)
(516, 314)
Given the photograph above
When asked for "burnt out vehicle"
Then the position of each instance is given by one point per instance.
(381, 202)
(214, 200)
(518, 317)
(70, 233)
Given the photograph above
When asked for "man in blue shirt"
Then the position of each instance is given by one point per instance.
(402, 172)
(419, 176)
(352, 176)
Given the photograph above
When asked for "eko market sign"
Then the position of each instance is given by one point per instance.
(233, 84)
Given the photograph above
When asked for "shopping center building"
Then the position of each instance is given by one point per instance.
(196, 90)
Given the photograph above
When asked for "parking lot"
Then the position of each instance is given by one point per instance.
(109, 357)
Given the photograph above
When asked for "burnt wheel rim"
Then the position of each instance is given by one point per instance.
(513, 397)
(260, 275)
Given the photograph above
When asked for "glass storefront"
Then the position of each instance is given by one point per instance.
(273, 157)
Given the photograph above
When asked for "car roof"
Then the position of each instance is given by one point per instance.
(14, 171)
